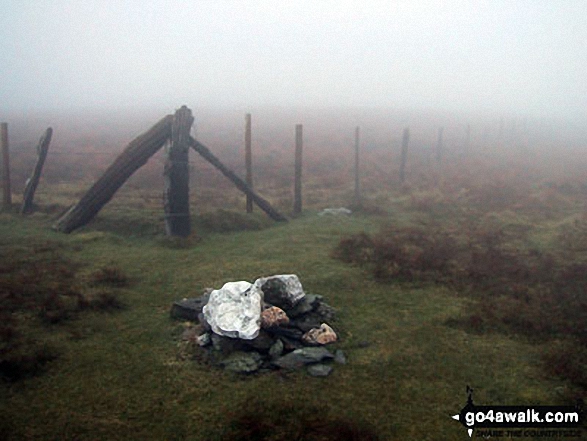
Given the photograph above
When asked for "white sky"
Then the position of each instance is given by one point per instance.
(515, 56)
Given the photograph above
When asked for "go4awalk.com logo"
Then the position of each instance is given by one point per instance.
(521, 421)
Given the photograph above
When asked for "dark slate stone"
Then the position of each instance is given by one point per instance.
(319, 370)
(307, 322)
(262, 342)
(275, 293)
(286, 331)
(276, 349)
(242, 362)
(205, 325)
(226, 345)
(303, 356)
(302, 307)
(339, 357)
(187, 309)
(325, 311)
(289, 344)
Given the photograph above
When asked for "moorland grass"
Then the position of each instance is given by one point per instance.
(118, 376)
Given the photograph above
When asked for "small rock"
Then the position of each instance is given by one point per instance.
(225, 345)
(335, 212)
(276, 349)
(339, 357)
(303, 356)
(284, 291)
(286, 331)
(320, 336)
(319, 370)
(307, 322)
(242, 362)
(262, 342)
(302, 307)
(290, 344)
(273, 316)
(187, 309)
(205, 325)
(364, 344)
(204, 340)
(325, 311)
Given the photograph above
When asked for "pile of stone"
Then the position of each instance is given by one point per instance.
(269, 324)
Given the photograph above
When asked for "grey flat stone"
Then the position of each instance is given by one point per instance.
(242, 362)
(319, 370)
(187, 309)
(339, 357)
(303, 356)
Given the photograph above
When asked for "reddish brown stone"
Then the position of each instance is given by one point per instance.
(320, 336)
(273, 316)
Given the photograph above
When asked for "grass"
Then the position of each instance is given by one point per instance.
(117, 376)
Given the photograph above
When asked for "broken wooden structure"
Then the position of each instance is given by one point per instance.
(33, 181)
(177, 175)
(297, 207)
(248, 160)
(404, 156)
(7, 193)
(173, 128)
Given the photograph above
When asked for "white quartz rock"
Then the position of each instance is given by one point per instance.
(335, 212)
(235, 310)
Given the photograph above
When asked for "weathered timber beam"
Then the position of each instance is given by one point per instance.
(135, 155)
(177, 176)
(240, 184)
(33, 181)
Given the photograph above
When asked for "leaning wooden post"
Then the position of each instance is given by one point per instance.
(7, 200)
(177, 192)
(439, 146)
(297, 208)
(249, 160)
(135, 155)
(357, 177)
(404, 158)
(33, 181)
(238, 182)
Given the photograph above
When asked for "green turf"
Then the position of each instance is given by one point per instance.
(119, 377)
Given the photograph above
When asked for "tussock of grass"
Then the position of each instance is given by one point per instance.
(516, 291)
(38, 290)
(109, 276)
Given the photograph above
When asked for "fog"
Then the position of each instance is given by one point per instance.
(522, 59)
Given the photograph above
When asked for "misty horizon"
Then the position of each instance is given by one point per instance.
(522, 59)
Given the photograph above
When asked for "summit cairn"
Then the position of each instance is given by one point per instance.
(266, 325)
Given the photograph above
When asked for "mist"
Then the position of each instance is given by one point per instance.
(522, 59)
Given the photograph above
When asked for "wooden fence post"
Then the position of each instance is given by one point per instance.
(357, 175)
(249, 160)
(439, 146)
(404, 158)
(176, 172)
(7, 199)
(297, 208)
(33, 181)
